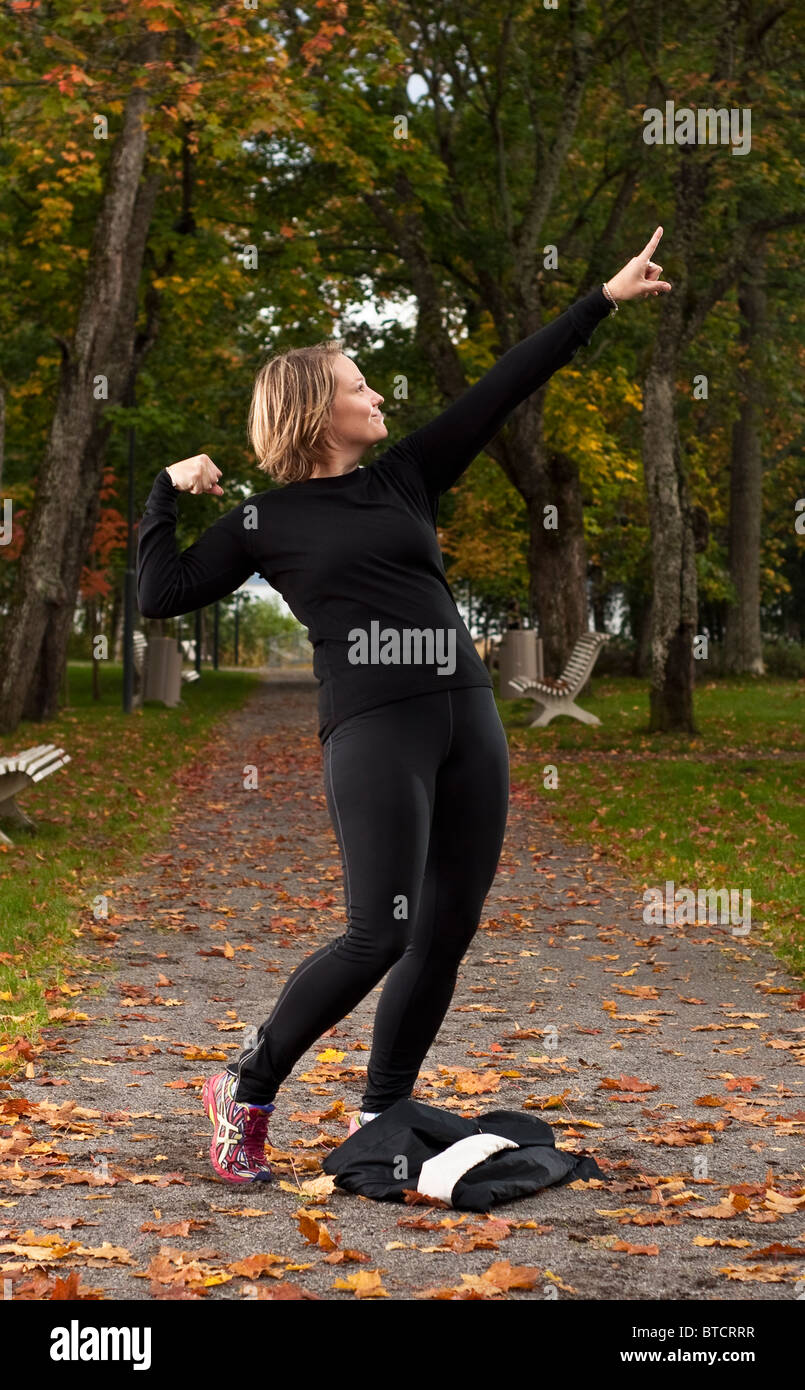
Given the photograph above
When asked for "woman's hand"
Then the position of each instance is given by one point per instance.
(197, 474)
(640, 276)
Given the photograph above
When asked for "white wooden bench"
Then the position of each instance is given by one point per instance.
(188, 648)
(558, 696)
(21, 770)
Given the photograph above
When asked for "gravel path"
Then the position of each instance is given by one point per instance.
(674, 1054)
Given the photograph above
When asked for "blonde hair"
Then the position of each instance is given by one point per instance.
(291, 409)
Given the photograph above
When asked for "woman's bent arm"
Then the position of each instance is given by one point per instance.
(214, 566)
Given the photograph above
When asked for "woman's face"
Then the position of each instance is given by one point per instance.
(356, 421)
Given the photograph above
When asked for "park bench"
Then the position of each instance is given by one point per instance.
(21, 770)
(188, 649)
(559, 696)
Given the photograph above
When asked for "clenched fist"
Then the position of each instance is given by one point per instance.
(197, 474)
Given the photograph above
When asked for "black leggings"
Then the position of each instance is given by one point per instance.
(417, 791)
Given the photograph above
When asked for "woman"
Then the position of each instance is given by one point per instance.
(415, 758)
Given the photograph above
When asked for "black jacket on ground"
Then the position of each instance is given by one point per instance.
(469, 1164)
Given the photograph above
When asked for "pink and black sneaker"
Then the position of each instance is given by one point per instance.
(237, 1150)
(364, 1117)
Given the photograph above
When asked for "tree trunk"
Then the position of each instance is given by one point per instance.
(557, 560)
(2, 430)
(673, 619)
(598, 598)
(640, 628)
(674, 523)
(642, 667)
(126, 353)
(66, 506)
(41, 698)
(743, 651)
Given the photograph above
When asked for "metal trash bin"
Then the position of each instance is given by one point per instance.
(163, 671)
(520, 655)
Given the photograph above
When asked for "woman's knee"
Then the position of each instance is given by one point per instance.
(363, 945)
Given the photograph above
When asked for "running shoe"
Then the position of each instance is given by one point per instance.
(237, 1150)
(357, 1122)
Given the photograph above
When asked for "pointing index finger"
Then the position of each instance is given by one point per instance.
(651, 246)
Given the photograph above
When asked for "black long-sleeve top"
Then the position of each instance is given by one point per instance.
(357, 553)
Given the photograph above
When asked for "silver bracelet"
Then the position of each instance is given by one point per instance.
(608, 296)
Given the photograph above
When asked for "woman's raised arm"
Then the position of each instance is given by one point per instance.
(446, 446)
(214, 566)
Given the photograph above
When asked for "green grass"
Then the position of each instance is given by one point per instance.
(94, 820)
(722, 810)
